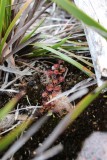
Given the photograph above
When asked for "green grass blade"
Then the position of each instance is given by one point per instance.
(79, 14)
(13, 24)
(7, 108)
(11, 136)
(42, 52)
(30, 34)
(2, 15)
(80, 107)
(66, 58)
(77, 57)
(57, 45)
(7, 15)
(75, 48)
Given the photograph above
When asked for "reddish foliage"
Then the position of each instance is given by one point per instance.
(54, 94)
(54, 88)
(57, 88)
(44, 94)
(62, 70)
(49, 72)
(49, 87)
(56, 72)
(55, 81)
(61, 79)
(56, 66)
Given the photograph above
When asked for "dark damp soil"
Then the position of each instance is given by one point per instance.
(94, 118)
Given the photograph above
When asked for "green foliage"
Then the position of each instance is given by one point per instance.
(8, 107)
(3, 14)
(66, 58)
(11, 136)
(13, 23)
(12, 19)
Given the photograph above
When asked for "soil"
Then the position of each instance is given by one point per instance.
(92, 119)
